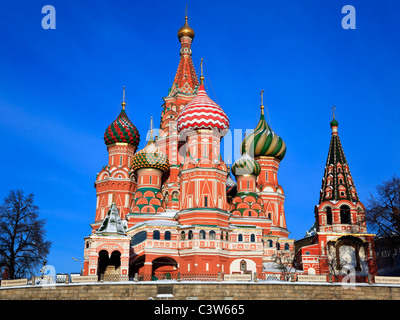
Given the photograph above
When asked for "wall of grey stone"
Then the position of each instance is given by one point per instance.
(206, 291)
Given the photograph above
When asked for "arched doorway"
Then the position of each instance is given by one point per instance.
(108, 264)
(351, 251)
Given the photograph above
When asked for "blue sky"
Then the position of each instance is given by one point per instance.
(60, 89)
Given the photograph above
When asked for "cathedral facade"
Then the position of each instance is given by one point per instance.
(174, 206)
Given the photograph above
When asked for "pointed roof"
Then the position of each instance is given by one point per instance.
(185, 80)
(112, 223)
(337, 183)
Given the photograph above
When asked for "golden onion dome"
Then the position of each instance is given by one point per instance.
(186, 31)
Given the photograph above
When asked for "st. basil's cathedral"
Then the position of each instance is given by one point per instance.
(174, 207)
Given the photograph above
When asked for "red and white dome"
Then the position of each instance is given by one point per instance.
(203, 113)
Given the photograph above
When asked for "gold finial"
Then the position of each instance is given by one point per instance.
(201, 72)
(186, 31)
(262, 101)
(123, 99)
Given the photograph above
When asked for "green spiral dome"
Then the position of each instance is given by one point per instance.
(264, 142)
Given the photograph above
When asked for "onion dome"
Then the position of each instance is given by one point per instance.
(203, 113)
(263, 141)
(150, 156)
(122, 130)
(186, 31)
(334, 123)
(246, 165)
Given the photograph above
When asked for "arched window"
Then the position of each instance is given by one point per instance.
(270, 243)
(167, 235)
(328, 216)
(202, 234)
(227, 236)
(211, 235)
(345, 214)
(156, 235)
(286, 246)
(183, 235)
(278, 246)
(240, 237)
(253, 238)
(190, 235)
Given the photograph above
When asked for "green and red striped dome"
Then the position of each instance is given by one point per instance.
(122, 130)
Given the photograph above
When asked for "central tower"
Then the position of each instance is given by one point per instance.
(183, 90)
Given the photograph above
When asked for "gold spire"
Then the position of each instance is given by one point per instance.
(123, 99)
(262, 101)
(201, 72)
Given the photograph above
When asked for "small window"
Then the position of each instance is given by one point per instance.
(253, 238)
(266, 176)
(240, 237)
(212, 235)
(286, 246)
(345, 214)
(156, 235)
(328, 216)
(190, 235)
(183, 235)
(243, 265)
(202, 234)
(150, 179)
(167, 235)
(206, 201)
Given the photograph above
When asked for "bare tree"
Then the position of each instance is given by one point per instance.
(383, 212)
(23, 247)
(285, 262)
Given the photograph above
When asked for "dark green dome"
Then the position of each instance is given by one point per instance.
(334, 123)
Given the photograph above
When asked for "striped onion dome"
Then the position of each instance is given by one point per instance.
(203, 113)
(150, 157)
(122, 130)
(246, 165)
(263, 141)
